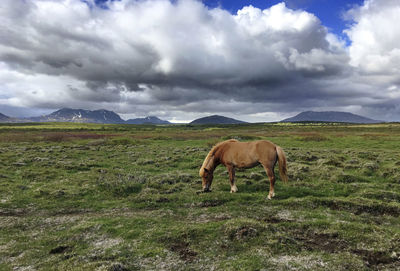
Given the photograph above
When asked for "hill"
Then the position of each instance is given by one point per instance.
(147, 120)
(4, 118)
(216, 119)
(330, 116)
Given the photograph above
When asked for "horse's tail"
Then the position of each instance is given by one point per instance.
(282, 164)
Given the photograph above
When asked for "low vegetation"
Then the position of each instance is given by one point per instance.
(124, 197)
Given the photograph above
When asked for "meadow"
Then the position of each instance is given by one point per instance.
(125, 197)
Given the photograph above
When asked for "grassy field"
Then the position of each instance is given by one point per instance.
(123, 197)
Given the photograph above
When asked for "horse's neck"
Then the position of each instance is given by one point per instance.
(207, 162)
(212, 163)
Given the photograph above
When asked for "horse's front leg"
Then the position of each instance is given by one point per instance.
(231, 170)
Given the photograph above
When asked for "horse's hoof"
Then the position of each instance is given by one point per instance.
(269, 197)
(234, 189)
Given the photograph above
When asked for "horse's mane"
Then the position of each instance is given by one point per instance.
(210, 155)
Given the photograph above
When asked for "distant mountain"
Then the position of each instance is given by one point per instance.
(216, 119)
(147, 120)
(330, 116)
(4, 118)
(7, 119)
(80, 115)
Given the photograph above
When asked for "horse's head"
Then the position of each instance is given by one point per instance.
(207, 177)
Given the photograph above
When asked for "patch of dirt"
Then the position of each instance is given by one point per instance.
(14, 212)
(332, 243)
(353, 162)
(244, 232)
(276, 220)
(371, 166)
(117, 267)
(383, 196)
(377, 209)
(60, 249)
(367, 155)
(211, 203)
(19, 164)
(328, 242)
(70, 211)
(374, 258)
(309, 158)
(346, 178)
(183, 249)
(162, 199)
(171, 191)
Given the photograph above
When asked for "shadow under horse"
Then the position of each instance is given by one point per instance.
(235, 154)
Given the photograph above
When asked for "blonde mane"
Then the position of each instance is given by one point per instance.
(210, 155)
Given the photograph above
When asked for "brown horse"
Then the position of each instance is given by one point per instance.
(234, 154)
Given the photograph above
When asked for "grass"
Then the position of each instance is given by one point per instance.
(123, 197)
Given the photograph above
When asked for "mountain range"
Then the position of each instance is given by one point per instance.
(85, 116)
(105, 116)
(329, 116)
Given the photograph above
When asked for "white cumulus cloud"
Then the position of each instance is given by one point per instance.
(375, 37)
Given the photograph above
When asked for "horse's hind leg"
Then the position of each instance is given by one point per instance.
(271, 177)
(231, 171)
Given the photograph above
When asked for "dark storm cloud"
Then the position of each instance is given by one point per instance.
(160, 56)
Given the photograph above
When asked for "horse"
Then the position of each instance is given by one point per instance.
(235, 154)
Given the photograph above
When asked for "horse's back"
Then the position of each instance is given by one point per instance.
(247, 154)
(264, 145)
(251, 146)
(266, 150)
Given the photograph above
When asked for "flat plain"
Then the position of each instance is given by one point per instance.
(124, 197)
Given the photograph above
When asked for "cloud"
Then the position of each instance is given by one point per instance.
(375, 37)
(375, 53)
(157, 56)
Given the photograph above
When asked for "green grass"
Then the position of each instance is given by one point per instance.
(123, 197)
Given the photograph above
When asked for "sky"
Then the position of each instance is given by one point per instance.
(256, 61)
